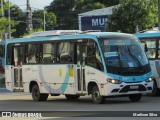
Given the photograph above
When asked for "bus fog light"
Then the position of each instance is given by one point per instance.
(113, 81)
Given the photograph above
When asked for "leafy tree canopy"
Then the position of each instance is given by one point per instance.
(38, 20)
(129, 14)
(108, 3)
(67, 11)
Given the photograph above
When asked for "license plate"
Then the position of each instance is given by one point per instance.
(134, 87)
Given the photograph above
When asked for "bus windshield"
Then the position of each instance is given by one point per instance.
(123, 52)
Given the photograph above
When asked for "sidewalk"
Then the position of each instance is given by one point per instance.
(4, 90)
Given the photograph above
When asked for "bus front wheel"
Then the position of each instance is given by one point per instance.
(37, 96)
(135, 97)
(96, 97)
(155, 91)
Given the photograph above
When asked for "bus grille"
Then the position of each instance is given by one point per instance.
(127, 89)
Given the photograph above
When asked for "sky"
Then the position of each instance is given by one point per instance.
(35, 4)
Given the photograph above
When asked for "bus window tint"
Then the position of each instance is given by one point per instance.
(65, 53)
(151, 45)
(48, 53)
(1, 51)
(123, 52)
(158, 48)
(93, 56)
(9, 56)
(32, 53)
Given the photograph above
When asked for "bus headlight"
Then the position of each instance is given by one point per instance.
(150, 79)
(113, 81)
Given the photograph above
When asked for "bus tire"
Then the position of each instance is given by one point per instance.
(37, 96)
(155, 91)
(135, 97)
(72, 97)
(96, 97)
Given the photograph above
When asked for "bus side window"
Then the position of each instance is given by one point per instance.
(65, 52)
(98, 59)
(93, 56)
(32, 55)
(48, 55)
(9, 54)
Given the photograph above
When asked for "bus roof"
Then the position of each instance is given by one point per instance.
(148, 34)
(68, 36)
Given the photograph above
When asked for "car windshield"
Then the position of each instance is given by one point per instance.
(123, 52)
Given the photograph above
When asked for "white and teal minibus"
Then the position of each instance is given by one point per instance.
(151, 42)
(74, 64)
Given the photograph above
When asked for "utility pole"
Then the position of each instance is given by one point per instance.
(159, 14)
(44, 20)
(2, 8)
(29, 16)
(9, 19)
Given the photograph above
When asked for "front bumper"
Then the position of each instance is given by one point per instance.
(127, 88)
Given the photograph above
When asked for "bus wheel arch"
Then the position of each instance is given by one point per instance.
(36, 95)
(93, 89)
(91, 86)
(32, 83)
(155, 91)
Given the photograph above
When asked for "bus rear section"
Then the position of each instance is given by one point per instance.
(97, 64)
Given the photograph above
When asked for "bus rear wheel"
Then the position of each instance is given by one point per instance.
(135, 97)
(37, 96)
(72, 97)
(96, 97)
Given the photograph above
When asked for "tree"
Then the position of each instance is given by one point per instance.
(38, 20)
(108, 3)
(4, 22)
(18, 24)
(67, 11)
(19, 16)
(130, 14)
(4, 25)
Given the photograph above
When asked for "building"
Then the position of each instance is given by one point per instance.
(94, 20)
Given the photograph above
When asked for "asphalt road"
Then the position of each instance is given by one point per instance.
(83, 107)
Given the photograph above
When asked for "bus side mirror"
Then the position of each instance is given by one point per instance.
(145, 47)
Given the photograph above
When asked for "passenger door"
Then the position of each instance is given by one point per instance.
(14, 79)
(81, 48)
(17, 67)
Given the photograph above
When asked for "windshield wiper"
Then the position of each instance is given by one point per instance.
(135, 58)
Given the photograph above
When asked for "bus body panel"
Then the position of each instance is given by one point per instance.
(9, 77)
(51, 78)
(155, 66)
